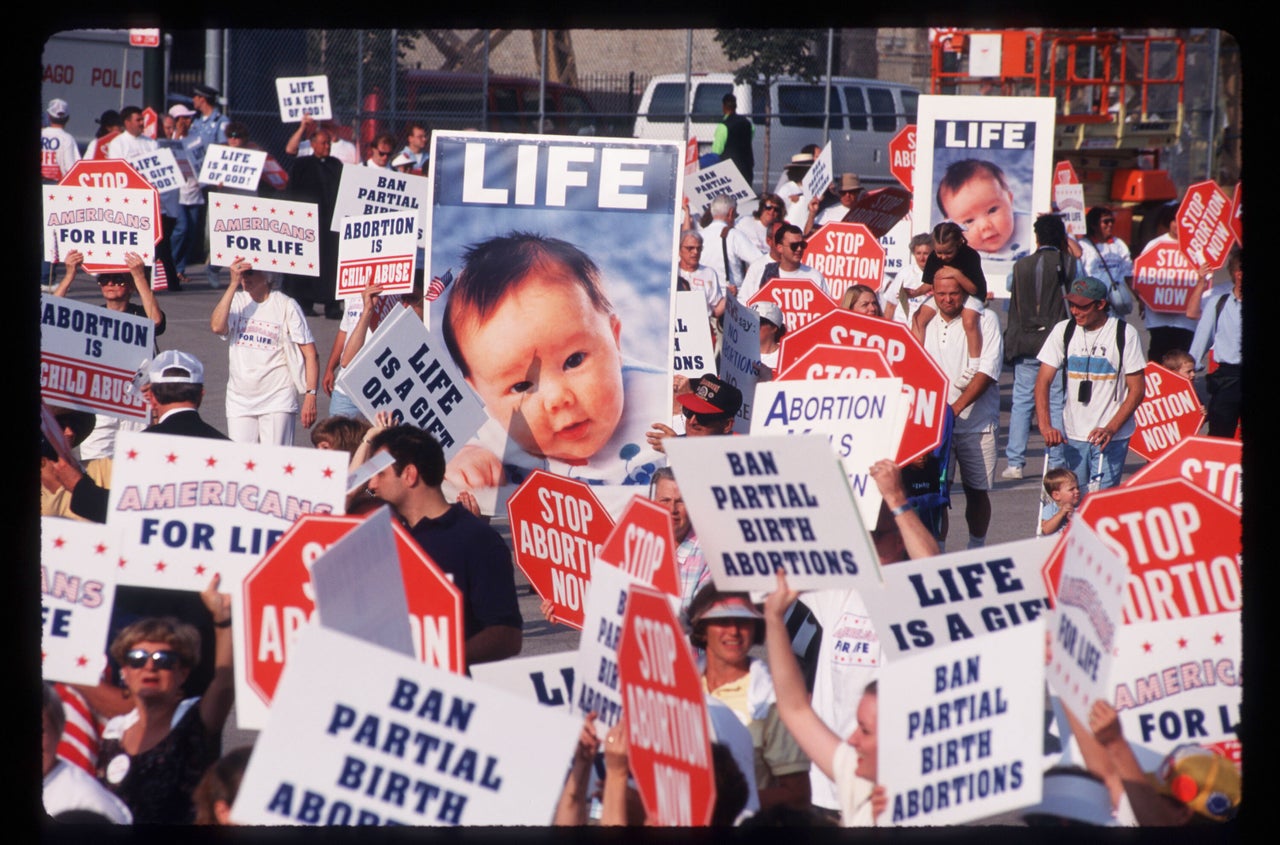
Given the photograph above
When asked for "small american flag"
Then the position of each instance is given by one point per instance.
(438, 284)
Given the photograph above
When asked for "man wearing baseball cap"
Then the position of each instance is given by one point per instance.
(1103, 361)
(177, 389)
(709, 409)
(58, 149)
(187, 228)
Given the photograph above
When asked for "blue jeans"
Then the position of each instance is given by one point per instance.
(184, 231)
(340, 405)
(1082, 458)
(1025, 370)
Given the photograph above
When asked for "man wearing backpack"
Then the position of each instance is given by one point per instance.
(1101, 360)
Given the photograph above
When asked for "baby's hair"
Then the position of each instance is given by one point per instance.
(922, 239)
(1056, 477)
(960, 172)
(493, 268)
(1175, 359)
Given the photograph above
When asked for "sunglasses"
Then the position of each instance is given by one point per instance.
(383, 153)
(798, 246)
(112, 280)
(164, 660)
(776, 208)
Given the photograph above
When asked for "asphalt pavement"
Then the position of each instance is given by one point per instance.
(1014, 504)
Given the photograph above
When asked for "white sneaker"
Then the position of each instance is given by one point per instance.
(1012, 473)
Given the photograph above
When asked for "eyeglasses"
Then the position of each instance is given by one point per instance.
(1075, 307)
(798, 246)
(383, 153)
(164, 659)
(774, 208)
(693, 247)
(1107, 221)
(112, 280)
(852, 191)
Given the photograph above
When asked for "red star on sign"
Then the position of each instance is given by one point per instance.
(161, 566)
(59, 543)
(250, 465)
(292, 212)
(1146, 647)
(210, 462)
(199, 568)
(132, 454)
(310, 214)
(1182, 642)
(288, 469)
(328, 472)
(121, 562)
(126, 200)
(171, 458)
(100, 548)
(1217, 639)
(236, 207)
(254, 208)
(82, 661)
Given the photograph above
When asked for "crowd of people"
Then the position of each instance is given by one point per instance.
(796, 732)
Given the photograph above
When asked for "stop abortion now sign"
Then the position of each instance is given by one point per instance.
(557, 527)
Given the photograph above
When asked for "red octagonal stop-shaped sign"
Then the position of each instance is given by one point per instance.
(1237, 213)
(801, 300)
(923, 381)
(557, 528)
(110, 174)
(1169, 412)
(643, 545)
(1181, 545)
(846, 254)
(278, 600)
(902, 155)
(825, 360)
(1210, 463)
(668, 749)
(1204, 225)
(1163, 276)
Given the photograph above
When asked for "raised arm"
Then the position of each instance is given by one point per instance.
(220, 322)
(355, 339)
(215, 704)
(304, 130)
(145, 295)
(72, 263)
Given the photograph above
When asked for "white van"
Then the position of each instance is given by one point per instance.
(865, 115)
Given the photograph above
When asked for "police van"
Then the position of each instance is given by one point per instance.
(865, 115)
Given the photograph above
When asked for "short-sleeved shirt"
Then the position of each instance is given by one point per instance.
(1094, 357)
(946, 343)
(967, 261)
(258, 379)
(478, 562)
(705, 280)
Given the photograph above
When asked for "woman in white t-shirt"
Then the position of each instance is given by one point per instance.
(272, 358)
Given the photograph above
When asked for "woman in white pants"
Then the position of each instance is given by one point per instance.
(265, 328)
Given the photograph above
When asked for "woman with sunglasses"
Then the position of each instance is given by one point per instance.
(153, 757)
(770, 209)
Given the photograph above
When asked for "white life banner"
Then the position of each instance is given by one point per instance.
(160, 168)
(88, 356)
(691, 349)
(232, 168)
(387, 740)
(277, 236)
(104, 224)
(377, 249)
(963, 726)
(376, 190)
(723, 177)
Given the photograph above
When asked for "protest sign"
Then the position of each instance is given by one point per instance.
(923, 381)
(1237, 213)
(643, 545)
(801, 300)
(232, 168)
(1179, 681)
(1203, 225)
(544, 678)
(361, 735)
(595, 668)
(377, 249)
(863, 419)
(88, 356)
(1180, 544)
(610, 205)
(768, 503)
(77, 591)
(818, 177)
(739, 354)
(374, 190)
(104, 224)
(934, 602)
(190, 507)
(1170, 411)
(846, 254)
(880, 210)
(691, 349)
(1163, 276)
(1084, 623)
(1210, 463)
(706, 184)
(278, 236)
(557, 528)
(964, 726)
(896, 244)
(902, 155)
(280, 595)
(159, 167)
(668, 750)
(985, 163)
(1068, 198)
(405, 370)
(691, 156)
(827, 361)
(301, 96)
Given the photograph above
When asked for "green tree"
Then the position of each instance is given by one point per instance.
(769, 54)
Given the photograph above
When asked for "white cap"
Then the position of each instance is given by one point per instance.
(179, 110)
(57, 108)
(172, 359)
